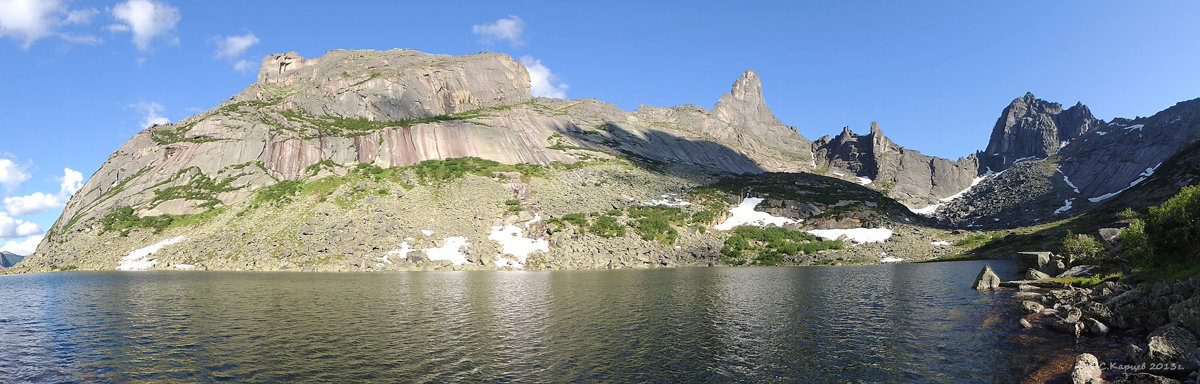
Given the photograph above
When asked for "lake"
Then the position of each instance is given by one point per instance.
(889, 323)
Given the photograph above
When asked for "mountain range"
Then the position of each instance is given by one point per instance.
(380, 160)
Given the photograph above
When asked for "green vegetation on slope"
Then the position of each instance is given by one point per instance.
(1166, 243)
(770, 246)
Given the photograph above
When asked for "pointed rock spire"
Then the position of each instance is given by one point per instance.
(744, 104)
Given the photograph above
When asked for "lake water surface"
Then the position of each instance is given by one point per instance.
(889, 323)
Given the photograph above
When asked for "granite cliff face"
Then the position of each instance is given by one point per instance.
(1057, 163)
(324, 161)
(1033, 128)
(907, 175)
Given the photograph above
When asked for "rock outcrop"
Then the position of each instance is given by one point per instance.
(1033, 128)
(907, 175)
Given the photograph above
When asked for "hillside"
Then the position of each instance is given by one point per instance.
(385, 160)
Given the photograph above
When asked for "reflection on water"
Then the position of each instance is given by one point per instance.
(908, 322)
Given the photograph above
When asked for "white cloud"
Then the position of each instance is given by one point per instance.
(12, 228)
(543, 83)
(504, 29)
(28, 20)
(150, 113)
(233, 46)
(71, 181)
(243, 66)
(81, 16)
(23, 248)
(11, 174)
(28, 205)
(147, 19)
(80, 39)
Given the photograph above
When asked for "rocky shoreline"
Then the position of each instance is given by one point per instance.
(1149, 330)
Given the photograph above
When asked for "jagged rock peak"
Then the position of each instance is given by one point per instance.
(1033, 128)
(744, 104)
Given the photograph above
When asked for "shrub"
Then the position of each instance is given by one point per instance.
(1127, 214)
(1174, 226)
(770, 246)
(513, 205)
(1080, 247)
(607, 227)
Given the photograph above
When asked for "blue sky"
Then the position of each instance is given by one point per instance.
(81, 77)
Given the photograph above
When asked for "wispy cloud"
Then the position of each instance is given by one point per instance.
(81, 16)
(233, 46)
(151, 113)
(243, 66)
(146, 19)
(510, 29)
(543, 83)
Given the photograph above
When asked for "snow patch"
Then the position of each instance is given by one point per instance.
(974, 182)
(536, 218)
(889, 259)
(926, 211)
(670, 200)
(449, 251)
(839, 174)
(1101, 133)
(858, 235)
(1068, 180)
(744, 214)
(404, 250)
(138, 259)
(427, 232)
(185, 267)
(514, 243)
(1133, 127)
(1025, 159)
(864, 180)
(1066, 206)
(939, 243)
(1141, 177)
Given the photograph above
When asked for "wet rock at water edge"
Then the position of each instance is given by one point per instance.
(1031, 307)
(987, 279)
(1086, 370)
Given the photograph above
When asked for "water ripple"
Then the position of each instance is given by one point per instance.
(847, 324)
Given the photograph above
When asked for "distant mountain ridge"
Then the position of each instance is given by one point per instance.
(8, 259)
(308, 130)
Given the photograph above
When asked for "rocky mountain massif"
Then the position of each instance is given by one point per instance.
(7, 260)
(366, 160)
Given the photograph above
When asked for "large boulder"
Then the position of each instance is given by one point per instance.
(1033, 260)
(1187, 314)
(1171, 349)
(1035, 275)
(1086, 370)
(1031, 307)
(987, 279)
